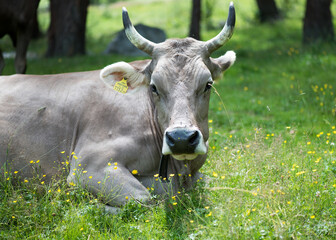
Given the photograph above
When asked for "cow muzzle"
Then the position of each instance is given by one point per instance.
(183, 143)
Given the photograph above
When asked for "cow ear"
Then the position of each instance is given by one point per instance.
(131, 72)
(223, 63)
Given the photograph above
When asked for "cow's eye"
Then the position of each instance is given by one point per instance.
(208, 86)
(153, 89)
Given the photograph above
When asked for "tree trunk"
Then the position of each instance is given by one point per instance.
(318, 21)
(268, 10)
(195, 24)
(66, 34)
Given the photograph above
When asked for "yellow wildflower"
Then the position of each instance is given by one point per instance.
(300, 173)
(134, 172)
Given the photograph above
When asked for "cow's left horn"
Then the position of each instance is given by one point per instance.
(226, 33)
(135, 38)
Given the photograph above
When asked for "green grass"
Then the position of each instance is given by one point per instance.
(271, 169)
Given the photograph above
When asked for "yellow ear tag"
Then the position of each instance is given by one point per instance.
(121, 86)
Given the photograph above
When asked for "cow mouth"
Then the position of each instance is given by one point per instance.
(183, 157)
(183, 143)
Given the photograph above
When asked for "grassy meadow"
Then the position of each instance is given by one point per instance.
(271, 168)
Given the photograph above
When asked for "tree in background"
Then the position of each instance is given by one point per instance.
(195, 24)
(66, 34)
(268, 10)
(317, 23)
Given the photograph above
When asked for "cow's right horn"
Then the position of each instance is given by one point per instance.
(135, 38)
(226, 33)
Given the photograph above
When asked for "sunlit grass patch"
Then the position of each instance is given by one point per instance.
(272, 184)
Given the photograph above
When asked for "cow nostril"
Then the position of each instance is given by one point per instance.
(193, 138)
(170, 139)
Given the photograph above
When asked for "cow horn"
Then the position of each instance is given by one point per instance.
(226, 33)
(135, 38)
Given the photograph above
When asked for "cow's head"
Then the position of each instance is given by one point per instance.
(179, 78)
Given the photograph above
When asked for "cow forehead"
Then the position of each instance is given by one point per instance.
(187, 46)
(181, 69)
(179, 60)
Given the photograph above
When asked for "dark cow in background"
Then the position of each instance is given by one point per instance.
(118, 125)
(16, 20)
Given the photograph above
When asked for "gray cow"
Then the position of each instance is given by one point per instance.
(118, 124)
